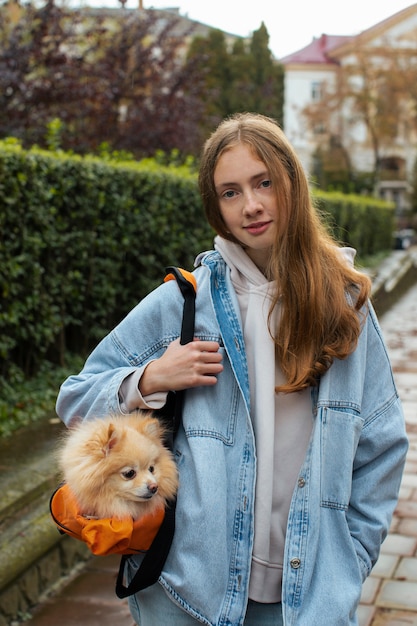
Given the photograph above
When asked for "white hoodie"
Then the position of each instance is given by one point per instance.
(282, 424)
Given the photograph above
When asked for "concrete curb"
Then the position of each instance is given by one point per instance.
(34, 557)
(393, 277)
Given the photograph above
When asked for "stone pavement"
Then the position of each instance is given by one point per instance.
(389, 595)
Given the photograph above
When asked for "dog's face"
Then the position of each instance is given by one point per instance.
(133, 467)
(118, 466)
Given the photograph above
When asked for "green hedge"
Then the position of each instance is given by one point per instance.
(82, 240)
(365, 223)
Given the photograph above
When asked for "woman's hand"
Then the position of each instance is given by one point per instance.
(194, 364)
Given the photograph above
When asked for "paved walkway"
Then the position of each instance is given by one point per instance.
(389, 595)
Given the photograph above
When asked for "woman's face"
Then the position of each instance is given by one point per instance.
(248, 203)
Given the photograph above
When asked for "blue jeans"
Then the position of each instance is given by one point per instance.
(153, 607)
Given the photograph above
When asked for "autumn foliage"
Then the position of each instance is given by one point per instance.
(126, 78)
(112, 76)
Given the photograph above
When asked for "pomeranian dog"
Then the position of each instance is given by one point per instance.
(118, 466)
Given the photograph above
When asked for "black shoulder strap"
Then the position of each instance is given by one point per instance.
(154, 559)
(188, 286)
(151, 566)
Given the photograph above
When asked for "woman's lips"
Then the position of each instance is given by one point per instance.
(257, 228)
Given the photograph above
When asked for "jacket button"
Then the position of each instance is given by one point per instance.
(295, 563)
(301, 482)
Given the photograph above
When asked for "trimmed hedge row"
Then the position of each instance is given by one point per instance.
(83, 240)
(365, 223)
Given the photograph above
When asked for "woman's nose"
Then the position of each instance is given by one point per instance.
(252, 204)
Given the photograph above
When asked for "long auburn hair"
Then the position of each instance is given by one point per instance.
(323, 299)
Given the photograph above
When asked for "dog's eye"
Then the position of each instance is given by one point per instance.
(151, 469)
(129, 474)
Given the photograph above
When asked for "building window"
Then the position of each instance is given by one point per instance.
(316, 91)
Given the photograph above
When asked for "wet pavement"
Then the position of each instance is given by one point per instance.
(389, 595)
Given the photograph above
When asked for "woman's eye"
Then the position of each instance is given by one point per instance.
(266, 183)
(228, 194)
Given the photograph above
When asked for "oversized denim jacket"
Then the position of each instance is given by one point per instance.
(347, 488)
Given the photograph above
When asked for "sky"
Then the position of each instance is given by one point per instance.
(291, 24)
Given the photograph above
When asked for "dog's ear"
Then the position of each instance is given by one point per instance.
(111, 439)
(152, 427)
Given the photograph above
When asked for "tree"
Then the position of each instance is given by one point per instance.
(331, 167)
(211, 56)
(373, 89)
(267, 77)
(373, 96)
(117, 77)
(238, 77)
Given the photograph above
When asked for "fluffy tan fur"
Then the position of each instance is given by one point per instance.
(118, 466)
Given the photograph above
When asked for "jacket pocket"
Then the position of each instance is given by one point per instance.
(340, 434)
(213, 411)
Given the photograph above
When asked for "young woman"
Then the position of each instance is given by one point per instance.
(292, 444)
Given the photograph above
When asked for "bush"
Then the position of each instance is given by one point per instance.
(27, 400)
(365, 223)
(83, 240)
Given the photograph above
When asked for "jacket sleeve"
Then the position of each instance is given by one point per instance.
(379, 465)
(131, 399)
(380, 456)
(141, 337)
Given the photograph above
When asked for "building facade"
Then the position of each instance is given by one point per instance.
(328, 71)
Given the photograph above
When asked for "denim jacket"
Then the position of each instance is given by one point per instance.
(347, 488)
